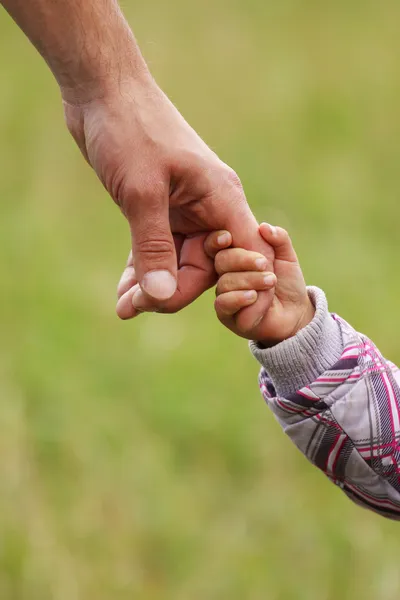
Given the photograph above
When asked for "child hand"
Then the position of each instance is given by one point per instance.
(241, 277)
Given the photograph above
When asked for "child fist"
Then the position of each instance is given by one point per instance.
(242, 275)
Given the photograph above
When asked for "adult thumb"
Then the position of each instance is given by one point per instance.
(153, 248)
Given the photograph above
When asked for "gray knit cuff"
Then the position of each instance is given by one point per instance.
(298, 361)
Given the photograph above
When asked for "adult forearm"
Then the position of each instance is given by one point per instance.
(88, 44)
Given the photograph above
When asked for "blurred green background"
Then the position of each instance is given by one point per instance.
(137, 460)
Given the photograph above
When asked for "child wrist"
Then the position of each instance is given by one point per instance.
(305, 317)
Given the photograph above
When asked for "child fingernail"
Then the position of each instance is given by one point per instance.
(250, 295)
(269, 280)
(224, 239)
(261, 263)
(271, 228)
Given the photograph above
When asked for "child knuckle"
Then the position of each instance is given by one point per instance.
(220, 262)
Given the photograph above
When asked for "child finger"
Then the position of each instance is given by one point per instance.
(280, 240)
(216, 241)
(246, 280)
(227, 305)
(238, 259)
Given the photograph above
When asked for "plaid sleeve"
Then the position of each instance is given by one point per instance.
(347, 421)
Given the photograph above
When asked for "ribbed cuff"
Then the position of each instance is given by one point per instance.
(298, 361)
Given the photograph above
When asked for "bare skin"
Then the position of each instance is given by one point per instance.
(241, 279)
(167, 182)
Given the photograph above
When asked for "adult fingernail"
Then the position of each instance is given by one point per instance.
(224, 240)
(269, 279)
(261, 263)
(160, 285)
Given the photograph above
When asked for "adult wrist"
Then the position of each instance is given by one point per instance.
(85, 90)
(104, 71)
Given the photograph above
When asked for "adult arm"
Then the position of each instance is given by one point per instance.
(338, 400)
(87, 44)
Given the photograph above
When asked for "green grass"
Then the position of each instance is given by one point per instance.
(137, 460)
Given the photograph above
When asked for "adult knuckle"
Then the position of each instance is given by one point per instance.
(155, 247)
(133, 195)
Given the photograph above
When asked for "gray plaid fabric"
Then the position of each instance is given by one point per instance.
(338, 400)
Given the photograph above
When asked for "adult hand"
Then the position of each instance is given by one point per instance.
(157, 169)
(167, 182)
